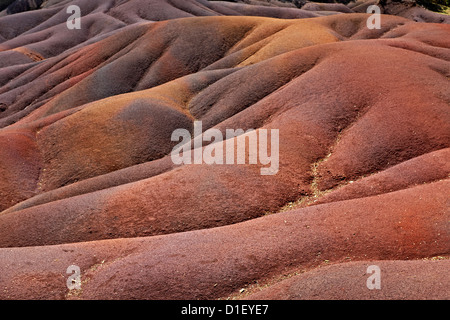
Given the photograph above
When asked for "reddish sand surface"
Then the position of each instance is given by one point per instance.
(87, 178)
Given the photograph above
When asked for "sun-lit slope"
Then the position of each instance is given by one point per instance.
(330, 134)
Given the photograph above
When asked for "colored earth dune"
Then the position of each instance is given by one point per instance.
(87, 178)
